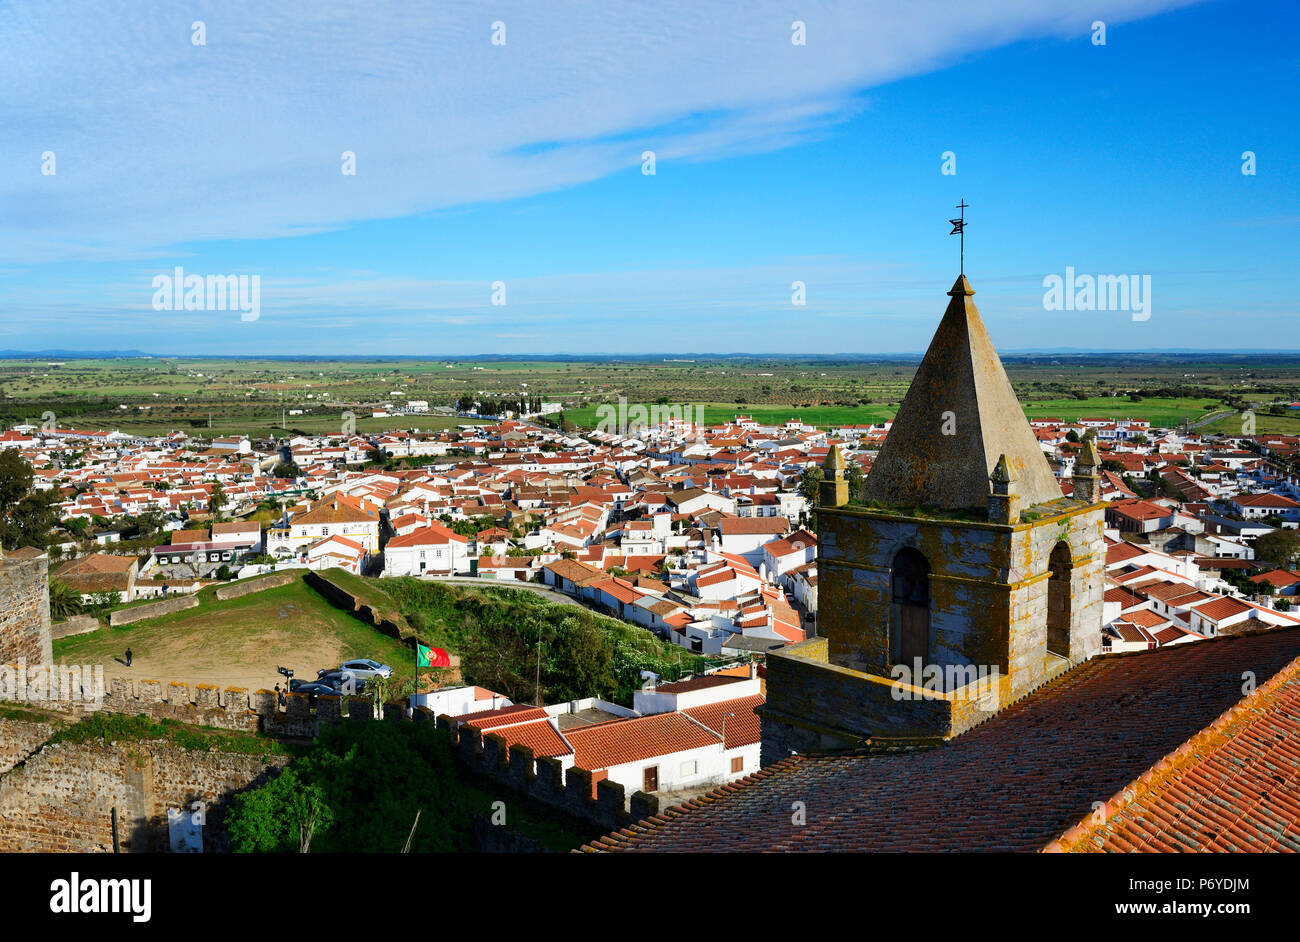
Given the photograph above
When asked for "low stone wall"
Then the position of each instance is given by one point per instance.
(127, 616)
(249, 586)
(76, 625)
(850, 707)
(544, 779)
(342, 598)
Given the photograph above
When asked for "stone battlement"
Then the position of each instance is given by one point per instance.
(234, 708)
(543, 778)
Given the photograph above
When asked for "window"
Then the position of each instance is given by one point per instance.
(688, 768)
(737, 764)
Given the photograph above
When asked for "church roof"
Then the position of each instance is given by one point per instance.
(962, 389)
(1022, 779)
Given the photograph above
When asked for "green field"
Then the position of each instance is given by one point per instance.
(1159, 411)
(253, 396)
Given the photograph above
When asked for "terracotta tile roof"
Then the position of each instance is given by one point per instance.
(1233, 787)
(700, 683)
(1118, 552)
(539, 736)
(486, 720)
(1222, 608)
(757, 526)
(1013, 783)
(742, 726)
(1124, 597)
(610, 744)
(434, 534)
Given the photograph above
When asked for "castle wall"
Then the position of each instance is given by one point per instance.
(61, 799)
(19, 739)
(25, 611)
(545, 780)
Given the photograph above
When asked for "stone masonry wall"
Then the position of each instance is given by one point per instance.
(248, 587)
(61, 799)
(126, 616)
(25, 611)
(19, 739)
(76, 625)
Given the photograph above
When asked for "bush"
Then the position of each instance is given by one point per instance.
(496, 632)
(358, 791)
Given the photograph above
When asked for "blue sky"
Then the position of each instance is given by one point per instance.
(521, 163)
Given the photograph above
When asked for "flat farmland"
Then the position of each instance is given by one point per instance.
(152, 395)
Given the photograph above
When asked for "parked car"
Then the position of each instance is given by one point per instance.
(340, 679)
(313, 688)
(364, 669)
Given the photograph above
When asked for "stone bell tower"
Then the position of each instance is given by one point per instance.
(966, 578)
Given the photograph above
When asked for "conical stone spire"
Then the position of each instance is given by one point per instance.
(960, 414)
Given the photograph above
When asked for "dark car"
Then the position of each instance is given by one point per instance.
(345, 683)
(314, 688)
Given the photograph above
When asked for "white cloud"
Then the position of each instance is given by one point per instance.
(160, 142)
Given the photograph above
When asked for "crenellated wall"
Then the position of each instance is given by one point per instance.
(544, 779)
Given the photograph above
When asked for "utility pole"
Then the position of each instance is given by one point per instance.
(537, 695)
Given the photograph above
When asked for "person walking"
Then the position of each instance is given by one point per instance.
(128, 657)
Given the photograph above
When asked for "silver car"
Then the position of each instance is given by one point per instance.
(363, 669)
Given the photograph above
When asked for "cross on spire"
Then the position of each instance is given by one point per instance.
(959, 228)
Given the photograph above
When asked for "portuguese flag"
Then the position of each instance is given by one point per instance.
(426, 656)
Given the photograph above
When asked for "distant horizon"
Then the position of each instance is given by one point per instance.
(657, 357)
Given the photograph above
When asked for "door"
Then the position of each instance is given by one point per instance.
(650, 779)
(913, 627)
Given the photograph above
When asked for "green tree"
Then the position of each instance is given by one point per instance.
(1278, 547)
(64, 602)
(357, 791)
(810, 482)
(282, 816)
(580, 662)
(217, 500)
(856, 479)
(26, 516)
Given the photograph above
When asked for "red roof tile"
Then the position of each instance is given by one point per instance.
(1013, 783)
(610, 744)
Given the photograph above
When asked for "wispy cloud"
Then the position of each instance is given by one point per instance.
(160, 142)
